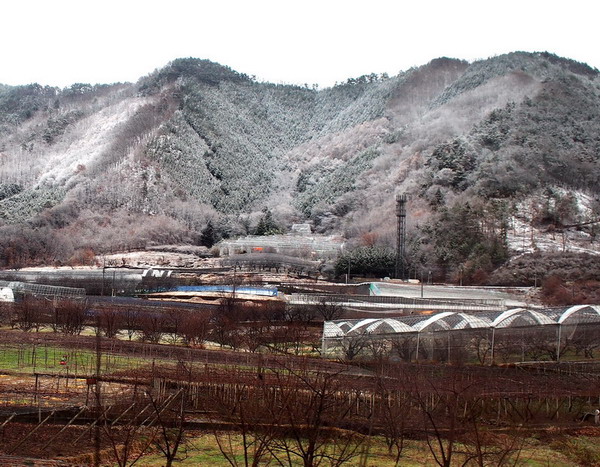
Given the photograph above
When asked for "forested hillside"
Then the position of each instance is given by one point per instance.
(486, 151)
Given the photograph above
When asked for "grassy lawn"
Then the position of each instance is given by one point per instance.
(204, 450)
(47, 359)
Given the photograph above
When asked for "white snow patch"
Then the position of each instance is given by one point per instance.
(86, 142)
(523, 237)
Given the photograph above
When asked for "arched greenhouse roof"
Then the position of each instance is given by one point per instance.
(454, 321)
(389, 325)
(519, 317)
(577, 312)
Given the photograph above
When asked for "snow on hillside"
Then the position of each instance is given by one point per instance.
(524, 237)
(87, 141)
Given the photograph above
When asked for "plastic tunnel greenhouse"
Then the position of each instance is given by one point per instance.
(20, 289)
(513, 335)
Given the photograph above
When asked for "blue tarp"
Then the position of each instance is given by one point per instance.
(226, 289)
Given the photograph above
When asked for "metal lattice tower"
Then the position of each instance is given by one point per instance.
(401, 236)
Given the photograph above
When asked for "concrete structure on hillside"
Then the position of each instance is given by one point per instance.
(301, 229)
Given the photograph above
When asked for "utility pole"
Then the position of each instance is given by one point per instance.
(98, 394)
(401, 236)
(113, 284)
(103, 272)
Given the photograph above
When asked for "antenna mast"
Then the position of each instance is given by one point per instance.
(401, 235)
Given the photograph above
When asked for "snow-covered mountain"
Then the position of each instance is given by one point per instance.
(509, 145)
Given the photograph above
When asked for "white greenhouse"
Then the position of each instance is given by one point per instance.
(518, 334)
(12, 290)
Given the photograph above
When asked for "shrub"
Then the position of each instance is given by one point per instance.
(367, 261)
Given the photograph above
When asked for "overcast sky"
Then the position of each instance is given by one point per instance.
(61, 42)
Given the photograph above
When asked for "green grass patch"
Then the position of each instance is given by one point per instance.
(583, 450)
(54, 359)
(204, 450)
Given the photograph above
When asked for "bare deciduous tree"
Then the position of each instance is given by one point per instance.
(170, 419)
(393, 411)
(128, 438)
(195, 328)
(152, 327)
(110, 322)
(404, 347)
(27, 314)
(353, 345)
(70, 316)
(328, 309)
(310, 402)
(254, 414)
(131, 322)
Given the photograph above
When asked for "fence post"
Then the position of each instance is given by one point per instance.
(558, 343)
